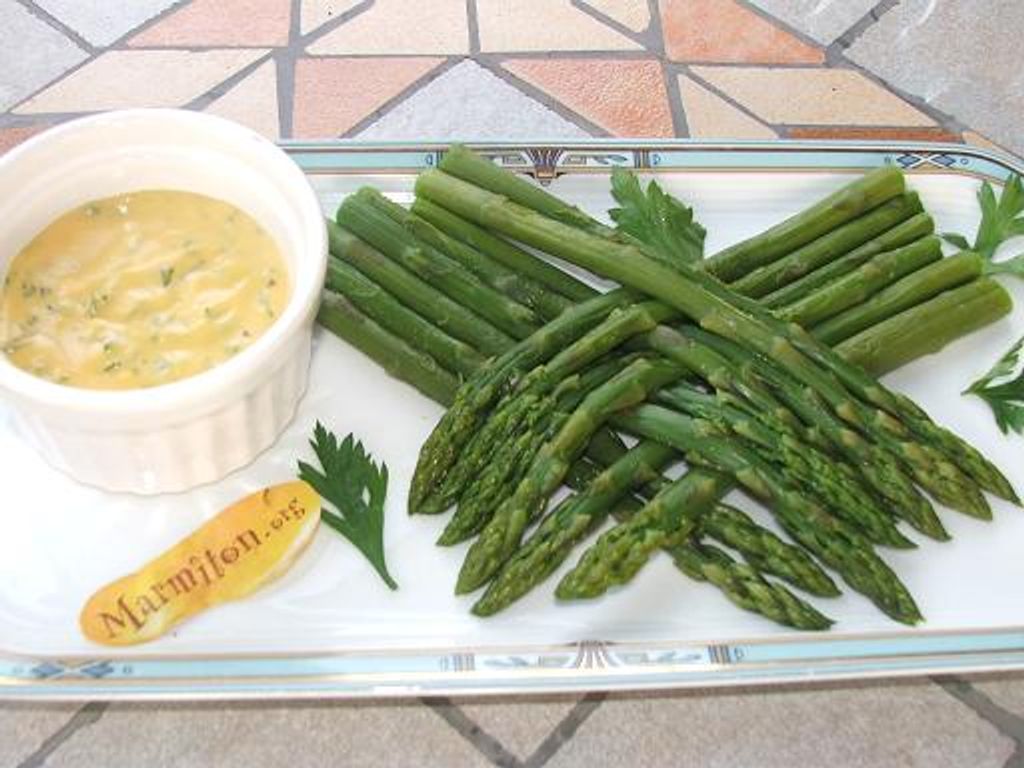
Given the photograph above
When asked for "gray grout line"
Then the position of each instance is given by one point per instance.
(608, 21)
(473, 22)
(1006, 722)
(284, 65)
(86, 716)
(402, 95)
(492, 63)
(205, 99)
(728, 99)
(466, 727)
(50, 20)
(781, 24)
(330, 26)
(116, 44)
(565, 730)
(680, 124)
(859, 27)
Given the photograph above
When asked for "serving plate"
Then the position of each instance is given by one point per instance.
(330, 627)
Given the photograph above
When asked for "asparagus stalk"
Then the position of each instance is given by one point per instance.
(766, 551)
(534, 389)
(568, 524)
(503, 252)
(834, 483)
(828, 247)
(372, 225)
(928, 327)
(862, 283)
(836, 543)
(916, 288)
(846, 204)
(507, 281)
(905, 233)
(446, 314)
(746, 588)
(619, 553)
(473, 402)
(535, 420)
(338, 315)
(367, 296)
(469, 166)
(504, 531)
(708, 303)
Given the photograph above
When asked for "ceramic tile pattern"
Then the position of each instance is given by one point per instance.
(451, 69)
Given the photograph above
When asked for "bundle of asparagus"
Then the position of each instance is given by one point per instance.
(763, 405)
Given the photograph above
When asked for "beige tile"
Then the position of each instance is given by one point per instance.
(708, 116)
(255, 735)
(210, 23)
(521, 725)
(140, 78)
(332, 95)
(253, 102)
(398, 26)
(625, 97)
(975, 138)
(867, 725)
(632, 14)
(315, 13)
(805, 96)
(24, 728)
(544, 25)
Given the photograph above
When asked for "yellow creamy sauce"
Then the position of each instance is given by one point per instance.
(140, 289)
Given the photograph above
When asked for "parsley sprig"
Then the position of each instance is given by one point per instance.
(1002, 218)
(1003, 389)
(656, 219)
(356, 487)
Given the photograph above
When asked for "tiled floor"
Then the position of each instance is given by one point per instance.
(387, 69)
(392, 69)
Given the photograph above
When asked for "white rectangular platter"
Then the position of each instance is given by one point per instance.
(330, 627)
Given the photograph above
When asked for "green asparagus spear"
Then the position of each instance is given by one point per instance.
(914, 289)
(863, 282)
(510, 456)
(828, 247)
(372, 225)
(503, 252)
(766, 551)
(473, 401)
(571, 521)
(846, 204)
(707, 302)
(880, 470)
(452, 354)
(747, 588)
(534, 387)
(902, 234)
(928, 327)
(834, 542)
(446, 314)
(619, 553)
(504, 531)
(338, 315)
(833, 483)
(517, 287)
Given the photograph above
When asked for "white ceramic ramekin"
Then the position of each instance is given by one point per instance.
(197, 430)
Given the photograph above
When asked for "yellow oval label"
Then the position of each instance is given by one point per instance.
(245, 546)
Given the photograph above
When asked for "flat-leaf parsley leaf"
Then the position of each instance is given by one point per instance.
(356, 487)
(656, 219)
(1004, 395)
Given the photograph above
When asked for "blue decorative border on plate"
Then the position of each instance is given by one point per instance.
(588, 664)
